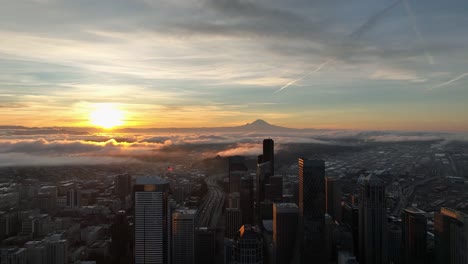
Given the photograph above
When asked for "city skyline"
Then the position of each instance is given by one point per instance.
(371, 65)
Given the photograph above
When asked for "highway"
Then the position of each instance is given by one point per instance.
(406, 192)
(210, 210)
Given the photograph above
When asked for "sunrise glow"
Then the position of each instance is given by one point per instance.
(107, 116)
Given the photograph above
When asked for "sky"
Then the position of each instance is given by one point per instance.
(362, 64)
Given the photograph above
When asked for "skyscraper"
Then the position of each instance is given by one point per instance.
(248, 246)
(351, 220)
(274, 190)
(285, 221)
(333, 197)
(233, 221)
(269, 154)
(451, 236)
(120, 232)
(183, 236)
(414, 229)
(372, 221)
(312, 209)
(152, 221)
(123, 185)
(263, 173)
(205, 245)
(247, 200)
(395, 244)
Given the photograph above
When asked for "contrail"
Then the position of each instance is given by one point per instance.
(372, 20)
(294, 81)
(356, 34)
(416, 30)
(451, 81)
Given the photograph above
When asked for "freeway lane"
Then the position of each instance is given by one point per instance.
(210, 210)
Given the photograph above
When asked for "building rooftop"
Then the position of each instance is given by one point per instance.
(151, 180)
(414, 210)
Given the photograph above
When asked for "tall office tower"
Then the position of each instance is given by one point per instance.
(274, 190)
(414, 228)
(14, 255)
(235, 180)
(183, 236)
(73, 198)
(351, 220)
(233, 200)
(233, 222)
(247, 200)
(152, 221)
(269, 154)
(123, 185)
(236, 169)
(372, 221)
(205, 242)
(237, 163)
(285, 221)
(263, 173)
(248, 246)
(395, 244)
(312, 209)
(120, 233)
(333, 197)
(451, 236)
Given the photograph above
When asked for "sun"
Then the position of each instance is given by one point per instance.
(106, 116)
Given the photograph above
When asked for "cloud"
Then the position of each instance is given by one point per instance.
(395, 75)
(80, 148)
(244, 149)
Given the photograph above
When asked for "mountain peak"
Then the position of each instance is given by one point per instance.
(260, 122)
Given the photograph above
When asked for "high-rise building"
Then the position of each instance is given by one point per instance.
(263, 173)
(206, 245)
(233, 222)
(120, 233)
(152, 221)
(351, 221)
(235, 180)
(14, 255)
(395, 244)
(451, 236)
(414, 229)
(274, 189)
(247, 200)
(123, 185)
(269, 154)
(233, 200)
(285, 221)
(183, 236)
(312, 209)
(372, 221)
(74, 198)
(248, 246)
(333, 197)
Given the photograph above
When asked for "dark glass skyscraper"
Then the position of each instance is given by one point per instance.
(269, 153)
(123, 185)
(414, 229)
(372, 221)
(312, 209)
(247, 200)
(285, 220)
